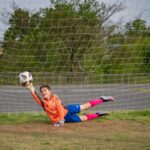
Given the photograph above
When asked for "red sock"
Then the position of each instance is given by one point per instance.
(95, 102)
(92, 116)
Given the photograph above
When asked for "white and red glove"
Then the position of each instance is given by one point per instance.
(30, 87)
(59, 123)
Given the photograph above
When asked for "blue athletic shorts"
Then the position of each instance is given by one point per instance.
(71, 116)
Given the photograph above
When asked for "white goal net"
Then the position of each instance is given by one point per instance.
(78, 49)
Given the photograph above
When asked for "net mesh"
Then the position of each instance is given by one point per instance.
(76, 49)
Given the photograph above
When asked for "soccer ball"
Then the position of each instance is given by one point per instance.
(25, 78)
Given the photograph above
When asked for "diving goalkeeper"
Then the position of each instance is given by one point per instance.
(58, 113)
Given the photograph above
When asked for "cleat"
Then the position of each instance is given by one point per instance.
(107, 98)
(102, 113)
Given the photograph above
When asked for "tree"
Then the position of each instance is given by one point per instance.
(69, 36)
(129, 50)
(136, 27)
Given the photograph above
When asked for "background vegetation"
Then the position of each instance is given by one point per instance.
(76, 40)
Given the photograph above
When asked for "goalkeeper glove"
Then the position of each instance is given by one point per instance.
(30, 86)
(59, 123)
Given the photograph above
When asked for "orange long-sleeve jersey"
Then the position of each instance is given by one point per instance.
(53, 107)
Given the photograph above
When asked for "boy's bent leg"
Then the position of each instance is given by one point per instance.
(93, 116)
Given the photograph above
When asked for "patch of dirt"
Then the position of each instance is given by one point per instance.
(106, 126)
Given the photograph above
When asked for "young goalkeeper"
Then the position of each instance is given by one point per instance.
(58, 113)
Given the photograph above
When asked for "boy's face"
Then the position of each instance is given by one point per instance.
(46, 93)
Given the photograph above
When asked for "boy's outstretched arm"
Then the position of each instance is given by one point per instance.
(31, 88)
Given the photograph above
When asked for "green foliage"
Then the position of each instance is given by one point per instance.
(130, 50)
(73, 37)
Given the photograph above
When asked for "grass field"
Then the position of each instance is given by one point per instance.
(122, 130)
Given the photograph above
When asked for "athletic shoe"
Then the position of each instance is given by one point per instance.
(102, 113)
(107, 98)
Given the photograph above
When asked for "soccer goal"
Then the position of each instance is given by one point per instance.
(76, 47)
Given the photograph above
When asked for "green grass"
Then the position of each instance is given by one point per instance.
(122, 130)
(32, 117)
(135, 115)
(19, 118)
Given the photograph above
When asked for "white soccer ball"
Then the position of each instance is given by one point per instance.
(25, 78)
